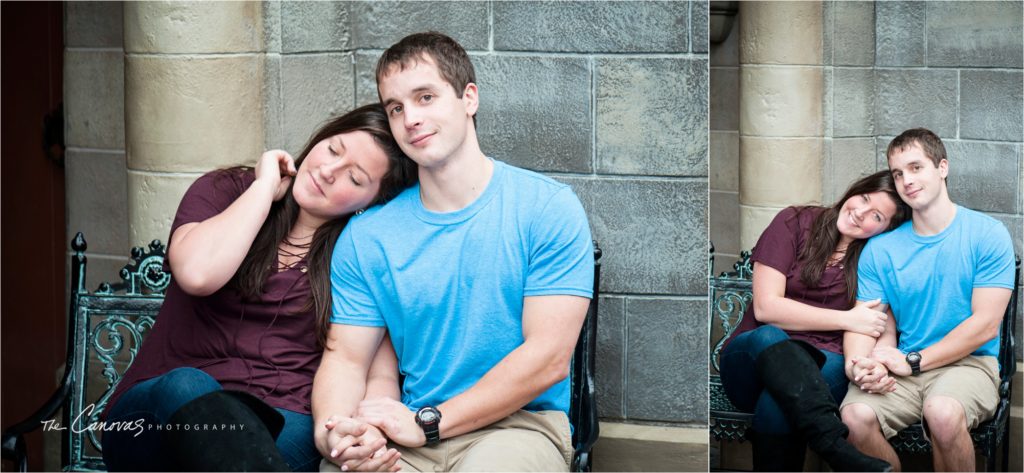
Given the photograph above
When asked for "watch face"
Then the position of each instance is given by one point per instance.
(913, 357)
(428, 417)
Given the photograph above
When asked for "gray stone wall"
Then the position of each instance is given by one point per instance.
(724, 179)
(608, 97)
(954, 67)
(96, 180)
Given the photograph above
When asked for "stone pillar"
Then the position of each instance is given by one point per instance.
(781, 132)
(194, 95)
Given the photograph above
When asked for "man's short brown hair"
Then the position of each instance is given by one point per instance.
(929, 142)
(452, 61)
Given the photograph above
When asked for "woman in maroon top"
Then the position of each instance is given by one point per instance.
(249, 302)
(784, 363)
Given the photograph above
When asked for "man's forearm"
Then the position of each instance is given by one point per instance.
(963, 340)
(519, 378)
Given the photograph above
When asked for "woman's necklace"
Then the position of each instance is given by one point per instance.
(837, 257)
(290, 254)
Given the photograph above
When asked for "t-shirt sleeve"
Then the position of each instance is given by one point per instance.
(869, 284)
(207, 197)
(352, 300)
(561, 249)
(777, 246)
(995, 258)
(210, 195)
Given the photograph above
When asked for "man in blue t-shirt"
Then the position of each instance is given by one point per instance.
(945, 278)
(481, 275)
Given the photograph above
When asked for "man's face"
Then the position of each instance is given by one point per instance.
(429, 121)
(918, 181)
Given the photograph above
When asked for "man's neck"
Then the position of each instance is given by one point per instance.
(934, 218)
(456, 183)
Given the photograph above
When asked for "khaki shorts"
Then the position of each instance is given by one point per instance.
(523, 441)
(973, 381)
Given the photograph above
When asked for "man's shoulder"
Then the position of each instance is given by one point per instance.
(527, 181)
(978, 222)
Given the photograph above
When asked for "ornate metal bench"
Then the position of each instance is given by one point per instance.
(729, 295)
(105, 331)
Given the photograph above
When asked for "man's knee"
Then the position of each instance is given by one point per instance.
(860, 419)
(945, 419)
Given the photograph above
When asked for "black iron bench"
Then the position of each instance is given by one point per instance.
(106, 328)
(729, 294)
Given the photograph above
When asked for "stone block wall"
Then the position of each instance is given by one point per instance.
(953, 67)
(96, 181)
(608, 97)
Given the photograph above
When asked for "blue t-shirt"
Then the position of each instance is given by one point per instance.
(928, 280)
(449, 287)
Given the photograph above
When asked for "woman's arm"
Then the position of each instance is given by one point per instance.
(772, 307)
(205, 255)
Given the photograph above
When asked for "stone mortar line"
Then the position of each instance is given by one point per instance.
(78, 149)
(552, 54)
(194, 174)
(958, 104)
(625, 360)
(82, 49)
(658, 296)
(689, 25)
(950, 68)
(924, 37)
(888, 138)
(355, 80)
(593, 116)
(199, 55)
(790, 137)
(490, 26)
(1002, 142)
(627, 177)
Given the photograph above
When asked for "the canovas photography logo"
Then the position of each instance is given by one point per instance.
(137, 426)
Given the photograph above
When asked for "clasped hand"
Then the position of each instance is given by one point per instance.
(357, 446)
(872, 376)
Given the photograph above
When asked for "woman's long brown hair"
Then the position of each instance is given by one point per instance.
(823, 236)
(261, 260)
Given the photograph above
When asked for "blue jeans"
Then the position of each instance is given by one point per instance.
(155, 400)
(745, 390)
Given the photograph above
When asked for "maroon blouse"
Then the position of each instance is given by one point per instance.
(266, 347)
(778, 247)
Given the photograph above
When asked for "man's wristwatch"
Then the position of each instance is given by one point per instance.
(914, 360)
(429, 419)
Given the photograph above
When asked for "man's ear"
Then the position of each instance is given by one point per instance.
(943, 168)
(471, 97)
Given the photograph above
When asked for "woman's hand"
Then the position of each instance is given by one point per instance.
(356, 446)
(276, 167)
(866, 320)
(872, 376)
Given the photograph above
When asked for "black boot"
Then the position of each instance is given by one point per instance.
(243, 440)
(777, 452)
(789, 373)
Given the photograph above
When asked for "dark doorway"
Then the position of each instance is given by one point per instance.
(32, 246)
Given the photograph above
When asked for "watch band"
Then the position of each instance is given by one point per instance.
(914, 360)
